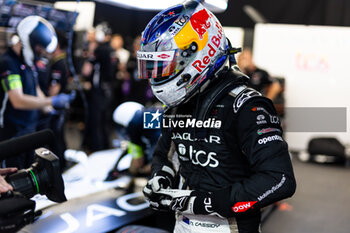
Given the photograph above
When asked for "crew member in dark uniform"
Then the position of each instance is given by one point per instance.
(129, 115)
(260, 79)
(20, 95)
(100, 94)
(58, 79)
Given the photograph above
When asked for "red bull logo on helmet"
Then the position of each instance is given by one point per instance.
(199, 22)
(213, 45)
(194, 29)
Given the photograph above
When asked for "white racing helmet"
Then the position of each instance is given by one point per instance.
(124, 113)
(102, 30)
(181, 49)
(36, 31)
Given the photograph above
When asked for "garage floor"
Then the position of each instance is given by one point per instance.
(321, 203)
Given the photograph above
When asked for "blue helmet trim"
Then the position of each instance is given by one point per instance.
(41, 35)
(160, 23)
(164, 19)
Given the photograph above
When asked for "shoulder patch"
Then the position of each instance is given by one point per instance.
(243, 96)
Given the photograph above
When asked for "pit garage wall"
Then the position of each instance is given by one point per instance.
(315, 61)
(235, 35)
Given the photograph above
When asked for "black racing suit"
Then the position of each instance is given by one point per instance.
(246, 155)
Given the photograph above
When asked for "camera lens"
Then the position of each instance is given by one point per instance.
(42, 177)
(25, 182)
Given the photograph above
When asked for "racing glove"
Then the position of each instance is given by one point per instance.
(193, 202)
(62, 100)
(163, 179)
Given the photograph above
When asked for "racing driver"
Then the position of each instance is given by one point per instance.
(232, 158)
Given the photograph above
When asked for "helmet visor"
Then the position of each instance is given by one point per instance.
(158, 67)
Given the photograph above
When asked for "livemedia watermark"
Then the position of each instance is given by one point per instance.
(157, 120)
